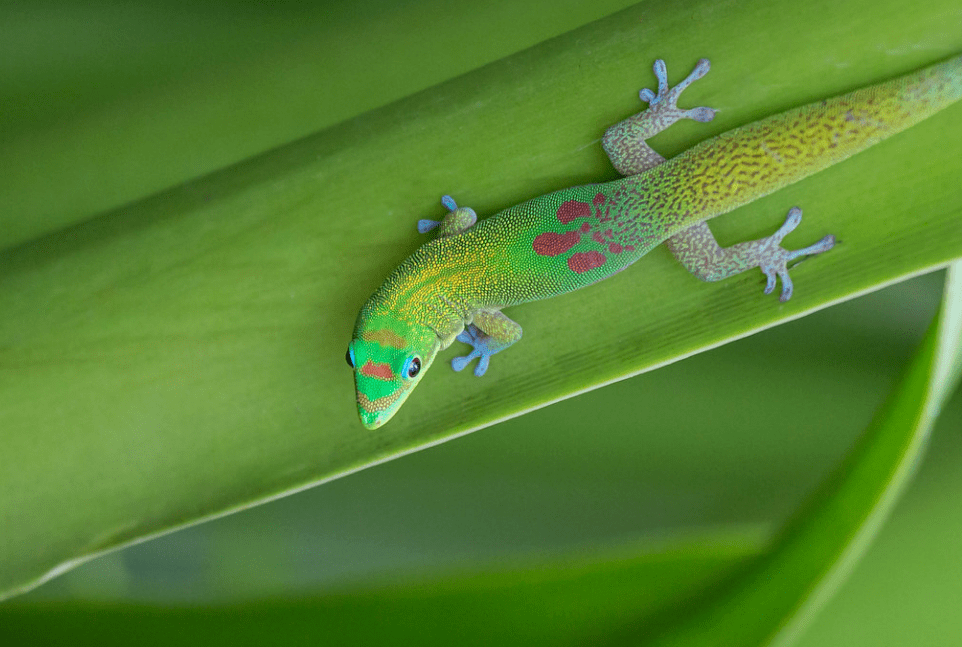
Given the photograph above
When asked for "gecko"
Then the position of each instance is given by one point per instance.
(455, 286)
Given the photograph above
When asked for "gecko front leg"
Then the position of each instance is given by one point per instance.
(490, 332)
(457, 220)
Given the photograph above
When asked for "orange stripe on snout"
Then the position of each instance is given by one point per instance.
(380, 371)
(384, 337)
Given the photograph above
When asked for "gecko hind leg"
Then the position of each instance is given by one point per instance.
(625, 141)
(490, 333)
(697, 249)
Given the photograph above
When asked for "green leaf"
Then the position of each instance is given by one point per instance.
(183, 356)
(726, 589)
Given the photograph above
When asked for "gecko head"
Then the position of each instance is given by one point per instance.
(389, 358)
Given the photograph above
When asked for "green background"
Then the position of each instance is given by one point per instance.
(106, 105)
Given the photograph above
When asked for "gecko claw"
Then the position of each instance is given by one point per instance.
(457, 220)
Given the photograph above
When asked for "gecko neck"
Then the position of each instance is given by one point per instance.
(414, 295)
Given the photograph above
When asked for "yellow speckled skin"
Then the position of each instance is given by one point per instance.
(577, 236)
(746, 163)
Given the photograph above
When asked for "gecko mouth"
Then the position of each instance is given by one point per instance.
(376, 412)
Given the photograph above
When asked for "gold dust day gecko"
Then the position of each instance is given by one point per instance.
(455, 286)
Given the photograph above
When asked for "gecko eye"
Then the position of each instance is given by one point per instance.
(412, 367)
(350, 356)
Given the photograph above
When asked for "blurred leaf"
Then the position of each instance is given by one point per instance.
(776, 597)
(547, 603)
(183, 356)
(110, 103)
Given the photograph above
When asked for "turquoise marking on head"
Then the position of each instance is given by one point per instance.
(389, 358)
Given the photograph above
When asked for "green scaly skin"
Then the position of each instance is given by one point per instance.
(455, 286)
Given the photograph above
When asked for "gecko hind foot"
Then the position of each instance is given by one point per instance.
(479, 342)
(775, 259)
(666, 99)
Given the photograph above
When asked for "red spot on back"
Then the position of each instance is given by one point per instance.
(597, 237)
(380, 371)
(584, 261)
(573, 209)
(629, 248)
(615, 248)
(598, 199)
(552, 244)
(585, 227)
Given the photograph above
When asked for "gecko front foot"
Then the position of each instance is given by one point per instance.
(774, 259)
(490, 333)
(459, 219)
(480, 344)
(665, 102)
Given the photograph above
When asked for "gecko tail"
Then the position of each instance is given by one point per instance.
(747, 163)
(909, 99)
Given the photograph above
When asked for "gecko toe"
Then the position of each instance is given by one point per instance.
(661, 73)
(458, 363)
(787, 287)
(701, 69)
(769, 281)
(482, 366)
(792, 220)
(424, 226)
(702, 114)
(821, 246)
